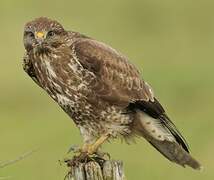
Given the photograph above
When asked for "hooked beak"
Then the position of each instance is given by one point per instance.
(40, 36)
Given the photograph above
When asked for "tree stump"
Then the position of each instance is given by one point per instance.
(92, 170)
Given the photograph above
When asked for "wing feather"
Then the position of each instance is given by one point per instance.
(117, 81)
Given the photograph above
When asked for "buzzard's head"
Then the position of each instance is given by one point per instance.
(43, 34)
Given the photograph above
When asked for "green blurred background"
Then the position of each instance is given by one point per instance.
(171, 41)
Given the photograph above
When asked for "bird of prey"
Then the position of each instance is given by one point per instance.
(99, 89)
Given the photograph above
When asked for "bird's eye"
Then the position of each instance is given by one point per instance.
(51, 33)
(30, 34)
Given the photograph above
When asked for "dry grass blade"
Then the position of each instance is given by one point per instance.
(10, 162)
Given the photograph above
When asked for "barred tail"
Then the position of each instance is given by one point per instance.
(175, 153)
(164, 136)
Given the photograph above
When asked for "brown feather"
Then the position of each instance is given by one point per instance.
(117, 81)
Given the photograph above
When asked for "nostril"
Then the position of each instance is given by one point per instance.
(40, 35)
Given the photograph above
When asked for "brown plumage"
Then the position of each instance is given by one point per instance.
(99, 89)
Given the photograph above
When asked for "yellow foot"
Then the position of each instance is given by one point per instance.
(87, 152)
(92, 148)
(89, 149)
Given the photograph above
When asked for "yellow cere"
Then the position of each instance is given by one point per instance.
(40, 34)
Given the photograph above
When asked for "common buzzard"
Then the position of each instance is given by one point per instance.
(99, 89)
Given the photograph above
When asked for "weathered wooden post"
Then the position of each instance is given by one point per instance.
(92, 170)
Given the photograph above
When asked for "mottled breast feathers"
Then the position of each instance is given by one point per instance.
(117, 81)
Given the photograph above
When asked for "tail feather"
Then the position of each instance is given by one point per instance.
(165, 138)
(175, 153)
